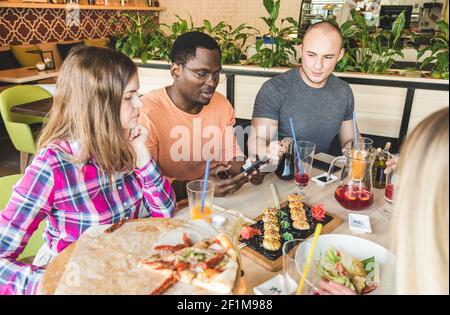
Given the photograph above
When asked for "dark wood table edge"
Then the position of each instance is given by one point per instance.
(38, 108)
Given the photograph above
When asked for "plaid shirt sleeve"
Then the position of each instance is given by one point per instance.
(30, 203)
(159, 198)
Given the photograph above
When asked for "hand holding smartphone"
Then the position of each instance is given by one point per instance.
(253, 166)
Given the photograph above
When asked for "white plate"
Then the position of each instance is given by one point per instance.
(359, 248)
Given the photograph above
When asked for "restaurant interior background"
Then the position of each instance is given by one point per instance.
(389, 104)
(238, 11)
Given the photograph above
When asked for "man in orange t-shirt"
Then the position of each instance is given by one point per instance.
(189, 122)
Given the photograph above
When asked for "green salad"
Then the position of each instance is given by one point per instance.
(339, 266)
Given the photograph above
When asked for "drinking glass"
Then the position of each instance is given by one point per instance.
(293, 264)
(195, 192)
(306, 150)
(391, 180)
(360, 153)
(389, 189)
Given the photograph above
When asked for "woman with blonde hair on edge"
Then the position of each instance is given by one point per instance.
(92, 166)
(420, 227)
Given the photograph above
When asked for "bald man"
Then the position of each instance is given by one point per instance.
(320, 104)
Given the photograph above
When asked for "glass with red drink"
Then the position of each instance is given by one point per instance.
(389, 189)
(305, 158)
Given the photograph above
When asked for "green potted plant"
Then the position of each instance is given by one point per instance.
(439, 52)
(281, 40)
(376, 50)
(177, 28)
(233, 42)
(143, 38)
(349, 60)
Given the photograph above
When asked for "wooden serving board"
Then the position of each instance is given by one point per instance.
(330, 223)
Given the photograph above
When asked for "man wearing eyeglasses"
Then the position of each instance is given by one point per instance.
(189, 122)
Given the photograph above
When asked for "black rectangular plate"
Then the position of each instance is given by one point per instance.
(256, 241)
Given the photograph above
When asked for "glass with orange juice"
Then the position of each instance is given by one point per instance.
(361, 157)
(358, 165)
(195, 192)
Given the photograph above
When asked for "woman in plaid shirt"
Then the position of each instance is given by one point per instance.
(92, 166)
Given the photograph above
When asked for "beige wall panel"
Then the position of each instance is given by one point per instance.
(425, 103)
(379, 109)
(246, 88)
(152, 79)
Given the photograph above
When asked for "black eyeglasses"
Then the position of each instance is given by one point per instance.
(205, 77)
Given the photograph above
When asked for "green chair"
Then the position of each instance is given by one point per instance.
(36, 240)
(18, 125)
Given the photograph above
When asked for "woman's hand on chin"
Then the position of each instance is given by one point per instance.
(138, 138)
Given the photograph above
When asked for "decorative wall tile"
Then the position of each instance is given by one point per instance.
(30, 26)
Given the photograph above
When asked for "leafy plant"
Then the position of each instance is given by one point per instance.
(282, 45)
(366, 48)
(439, 52)
(143, 38)
(233, 43)
(376, 50)
(348, 61)
(181, 26)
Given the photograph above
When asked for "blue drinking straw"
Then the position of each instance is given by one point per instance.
(296, 146)
(354, 131)
(205, 183)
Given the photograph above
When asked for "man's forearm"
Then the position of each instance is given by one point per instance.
(346, 143)
(257, 146)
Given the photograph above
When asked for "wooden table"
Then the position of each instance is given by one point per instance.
(26, 75)
(39, 108)
(251, 201)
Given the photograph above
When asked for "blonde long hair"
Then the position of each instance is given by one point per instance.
(86, 108)
(420, 237)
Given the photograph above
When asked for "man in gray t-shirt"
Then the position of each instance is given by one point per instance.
(317, 113)
(320, 104)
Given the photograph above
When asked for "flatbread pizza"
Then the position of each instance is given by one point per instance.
(152, 256)
(211, 264)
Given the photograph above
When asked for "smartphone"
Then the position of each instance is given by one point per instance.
(322, 181)
(324, 166)
(253, 167)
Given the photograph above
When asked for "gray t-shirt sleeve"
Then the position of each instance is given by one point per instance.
(350, 104)
(267, 102)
